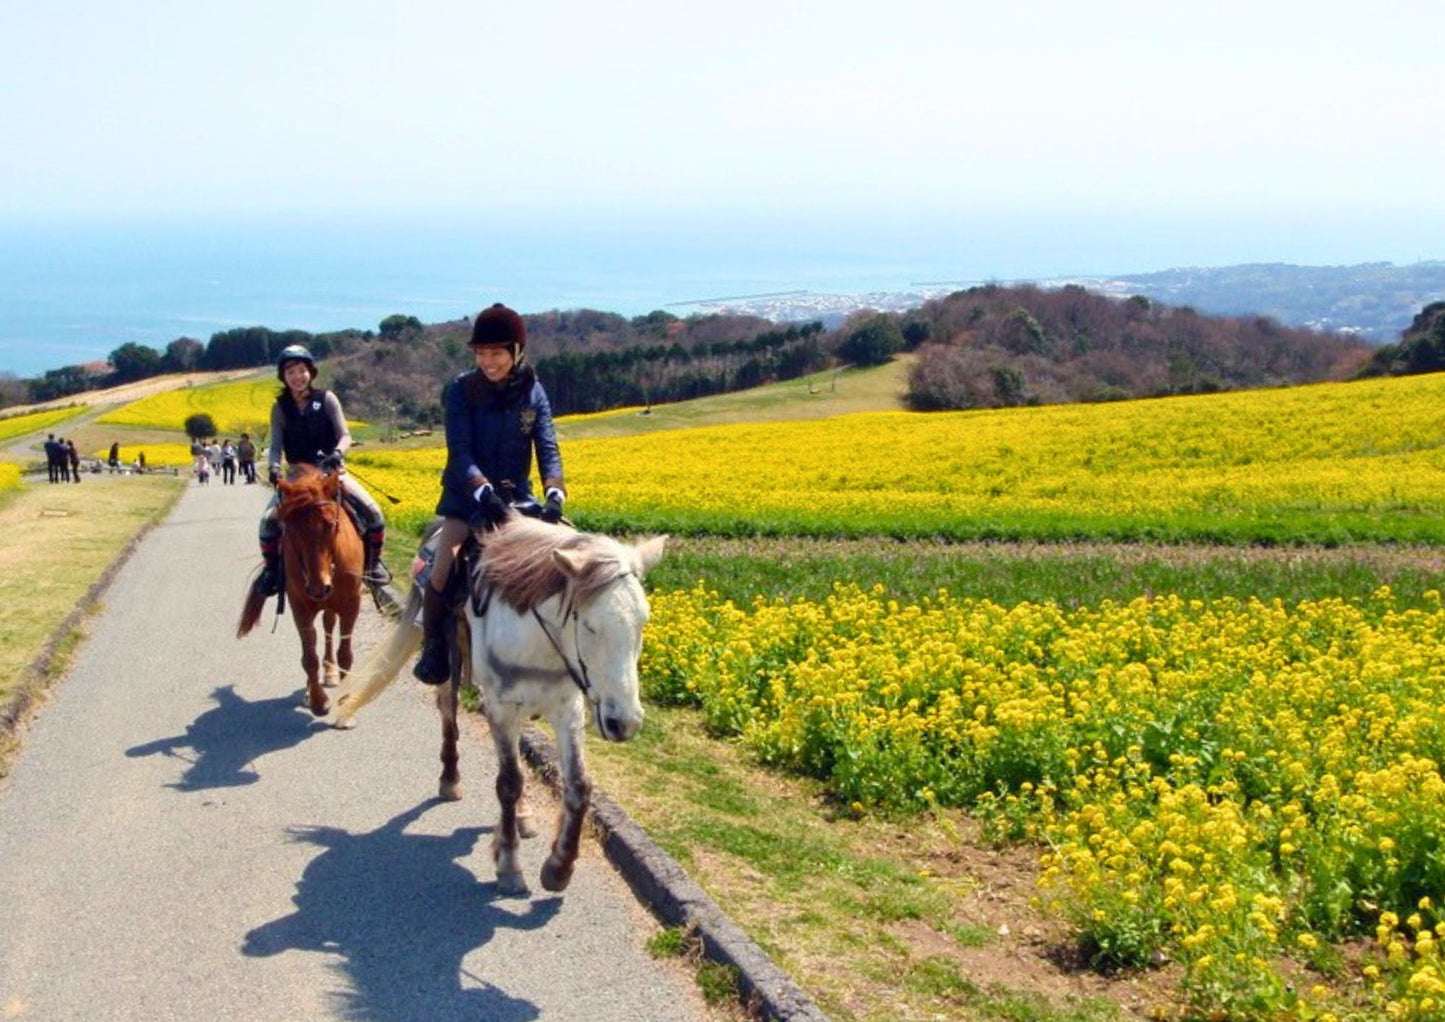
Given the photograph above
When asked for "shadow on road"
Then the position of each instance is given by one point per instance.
(223, 744)
(403, 914)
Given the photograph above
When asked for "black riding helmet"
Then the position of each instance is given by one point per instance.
(294, 353)
(499, 327)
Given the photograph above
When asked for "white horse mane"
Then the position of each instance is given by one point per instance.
(519, 560)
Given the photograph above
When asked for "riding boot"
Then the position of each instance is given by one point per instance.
(434, 665)
(268, 583)
(376, 576)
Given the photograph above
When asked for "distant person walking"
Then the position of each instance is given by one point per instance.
(74, 457)
(113, 459)
(228, 463)
(246, 455)
(52, 458)
(62, 459)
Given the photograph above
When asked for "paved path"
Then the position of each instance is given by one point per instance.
(180, 839)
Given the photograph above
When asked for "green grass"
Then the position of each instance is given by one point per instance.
(823, 894)
(834, 392)
(1068, 574)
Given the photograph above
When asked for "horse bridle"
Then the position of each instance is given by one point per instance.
(330, 537)
(578, 674)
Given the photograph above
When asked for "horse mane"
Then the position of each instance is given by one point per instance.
(306, 488)
(517, 561)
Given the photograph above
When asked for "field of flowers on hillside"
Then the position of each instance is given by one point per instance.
(1329, 463)
(32, 422)
(241, 407)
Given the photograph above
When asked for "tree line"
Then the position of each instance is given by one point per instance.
(988, 346)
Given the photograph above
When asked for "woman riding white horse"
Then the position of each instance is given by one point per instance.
(559, 636)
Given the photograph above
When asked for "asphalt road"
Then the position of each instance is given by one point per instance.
(180, 839)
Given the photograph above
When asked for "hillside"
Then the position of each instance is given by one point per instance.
(1375, 301)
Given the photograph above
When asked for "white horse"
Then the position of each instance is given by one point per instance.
(559, 634)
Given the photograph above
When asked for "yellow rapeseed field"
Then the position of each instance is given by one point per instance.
(19, 425)
(1329, 462)
(1228, 782)
(244, 406)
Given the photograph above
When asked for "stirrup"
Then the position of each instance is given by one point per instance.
(431, 651)
(268, 583)
(385, 597)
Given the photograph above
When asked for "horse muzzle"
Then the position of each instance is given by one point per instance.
(617, 725)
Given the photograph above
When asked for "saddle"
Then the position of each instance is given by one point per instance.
(466, 577)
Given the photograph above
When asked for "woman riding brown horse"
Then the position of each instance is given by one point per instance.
(322, 556)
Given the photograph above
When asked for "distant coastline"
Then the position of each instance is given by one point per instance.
(74, 295)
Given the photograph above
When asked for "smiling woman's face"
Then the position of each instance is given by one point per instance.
(297, 376)
(495, 362)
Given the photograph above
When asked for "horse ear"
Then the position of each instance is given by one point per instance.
(649, 552)
(570, 561)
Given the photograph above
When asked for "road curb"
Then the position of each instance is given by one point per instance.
(662, 885)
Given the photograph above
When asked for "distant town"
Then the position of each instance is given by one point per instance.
(1374, 301)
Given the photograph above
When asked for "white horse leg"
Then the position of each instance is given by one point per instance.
(576, 795)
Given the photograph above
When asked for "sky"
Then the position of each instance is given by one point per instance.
(895, 111)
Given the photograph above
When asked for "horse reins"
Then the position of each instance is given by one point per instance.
(579, 673)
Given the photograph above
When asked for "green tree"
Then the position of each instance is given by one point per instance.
(398, 327)
(872, 342)
(200, 426)
(183, 354)
(135, 362)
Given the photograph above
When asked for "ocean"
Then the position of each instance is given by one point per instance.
(72, 291)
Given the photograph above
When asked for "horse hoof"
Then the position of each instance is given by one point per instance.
(512, 884)
(449, 791)
(555, 878)
(344, 723)
(320, 709)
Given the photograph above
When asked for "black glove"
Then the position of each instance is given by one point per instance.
(273, 475)
(332, 462)
(552, 509)
(491, 509)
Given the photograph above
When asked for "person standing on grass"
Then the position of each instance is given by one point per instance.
(309, 428)
(113, 459)
(73, 456)
(52, 458)
(497, 414)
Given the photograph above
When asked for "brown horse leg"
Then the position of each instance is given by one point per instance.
(343, 651)
(315, 694)
(509, 789)
(576, 795)
(450, 787)
(329, 676)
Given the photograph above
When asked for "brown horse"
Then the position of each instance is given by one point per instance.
(322, 557)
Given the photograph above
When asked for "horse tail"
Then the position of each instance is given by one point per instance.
(250, 612)
(370, 678)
